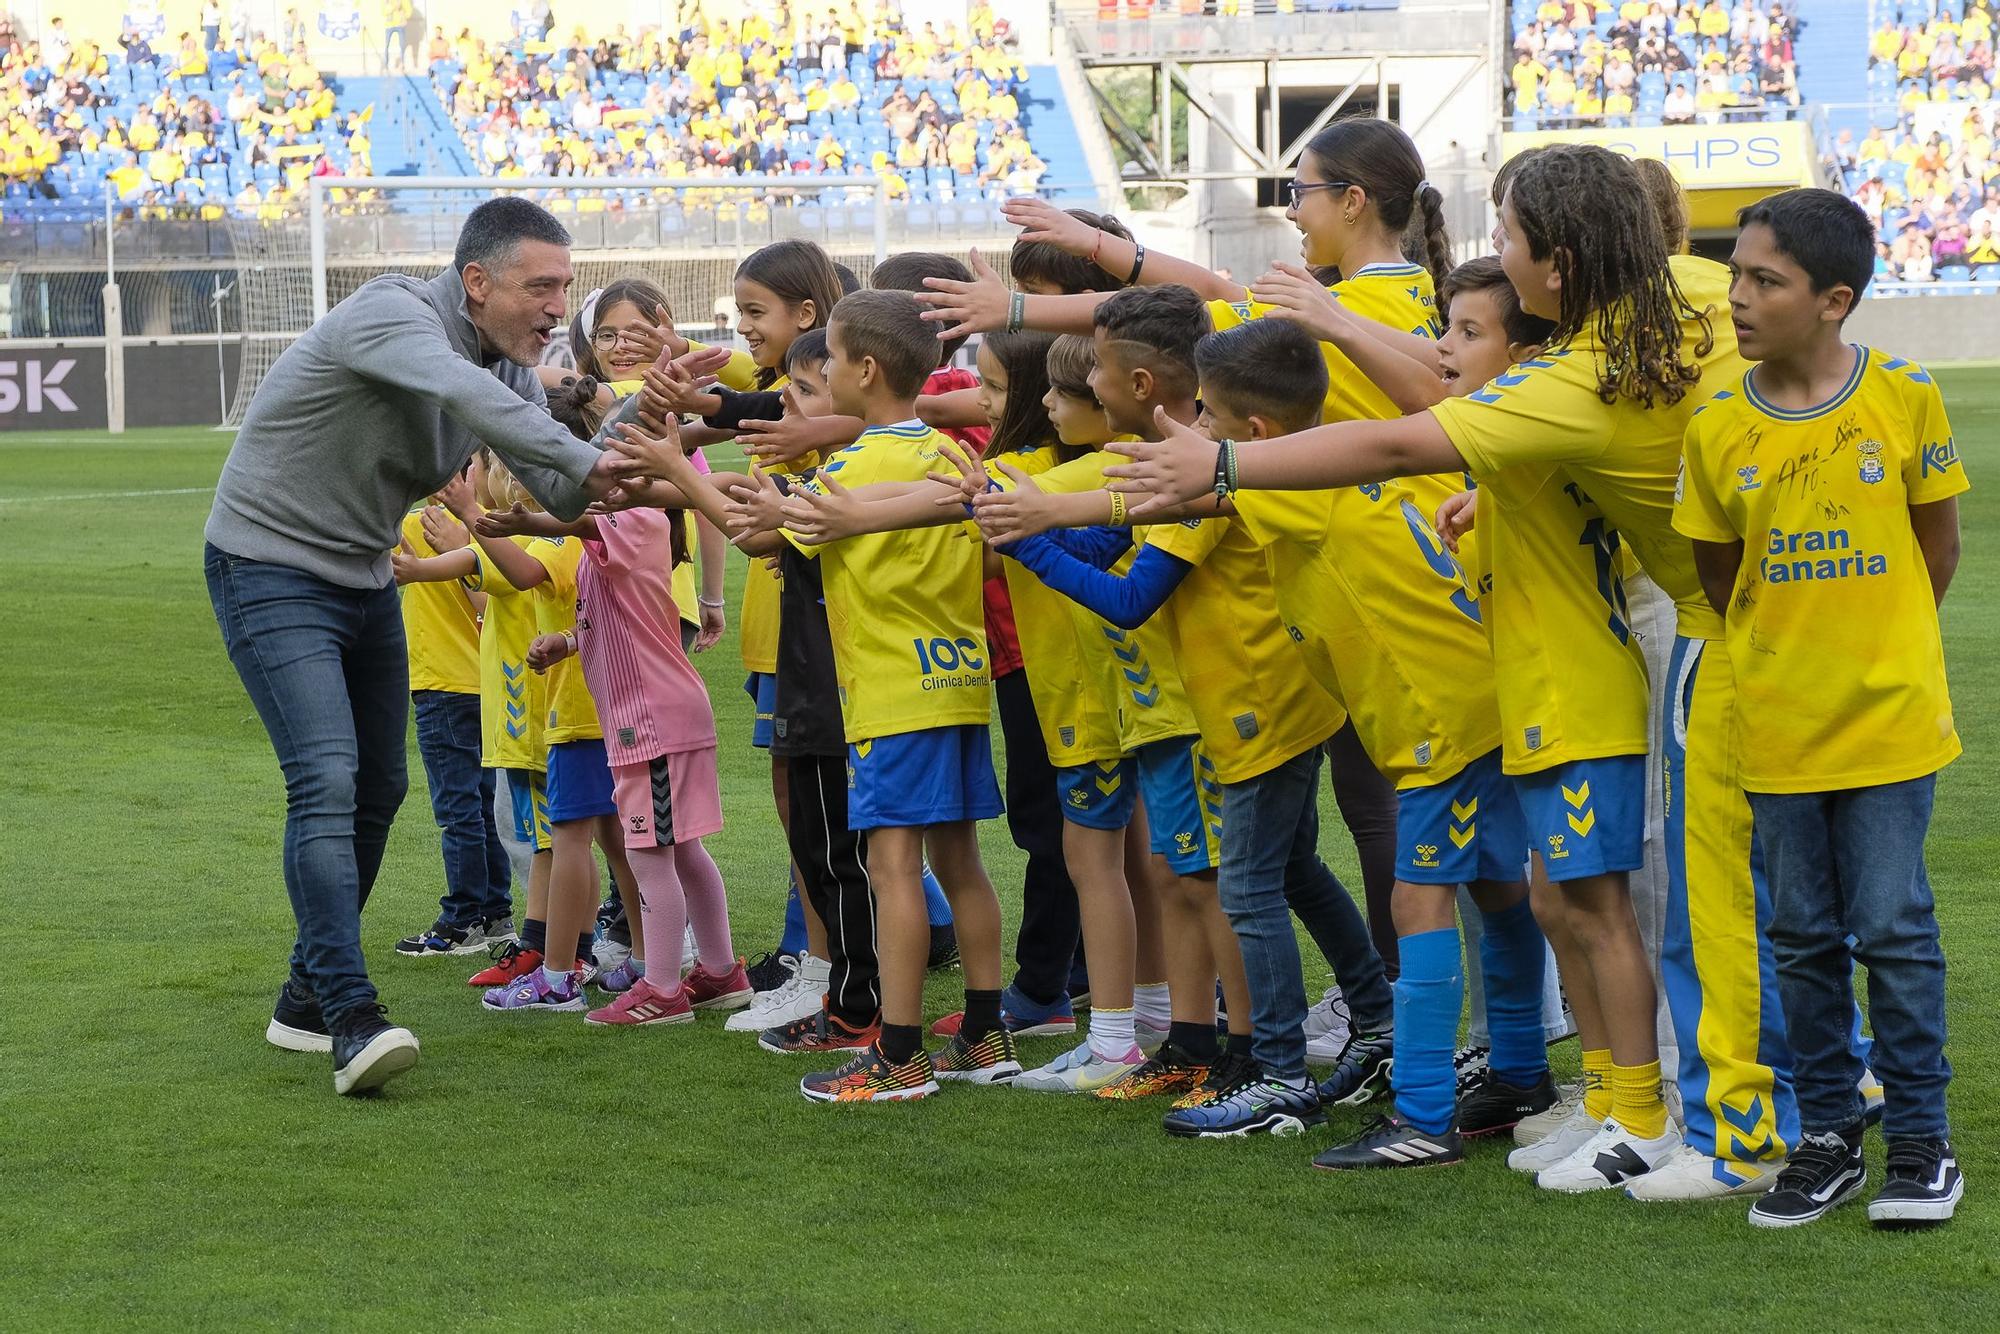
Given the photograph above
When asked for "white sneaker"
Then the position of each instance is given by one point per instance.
(1327, 1028)
(1079, 1070)
(1690, 1174)
(1558, 1142)
(1611, 1157)
(797, 997)
(1534, 1129)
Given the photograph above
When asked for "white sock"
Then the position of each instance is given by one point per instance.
(556, 981)
(1150, 1004)
(1112, 1033)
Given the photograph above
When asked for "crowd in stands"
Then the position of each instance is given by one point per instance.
(1932, 182)
(1620, 63)
(768, 90)
(211, 122)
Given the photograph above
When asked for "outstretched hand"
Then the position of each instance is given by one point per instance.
(510, 522)
(1009, 516)
(756, 508)
(967, 478)
(1173, 470)
(979, 306)
(1455, 517)
(442, 531)
(403, 562)
(650, 455)
(826, 513)
(1294, 294)
(1040, 220)
(787, 440)
(456, 496)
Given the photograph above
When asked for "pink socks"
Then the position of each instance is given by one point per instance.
(677, 885)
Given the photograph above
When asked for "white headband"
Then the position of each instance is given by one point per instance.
(587, 316)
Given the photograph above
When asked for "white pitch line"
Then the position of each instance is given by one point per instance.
(107, 495)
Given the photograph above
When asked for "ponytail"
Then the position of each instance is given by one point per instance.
(1426, 242)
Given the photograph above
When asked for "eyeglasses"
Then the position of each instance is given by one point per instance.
(605, 339)
(1296, 190)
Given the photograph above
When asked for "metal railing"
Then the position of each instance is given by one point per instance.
(1329, 29)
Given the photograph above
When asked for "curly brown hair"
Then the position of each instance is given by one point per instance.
(1612, 256)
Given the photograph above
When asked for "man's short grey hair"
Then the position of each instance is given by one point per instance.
(495, 230)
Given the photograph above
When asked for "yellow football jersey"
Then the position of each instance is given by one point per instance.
(512, 702)
(572, 714)
(1136, 672)
(1077, 722)
(1246, 680)
(440, 625)
(1624, 456)
(903, 608)
(1833, 626)
(1386, 623)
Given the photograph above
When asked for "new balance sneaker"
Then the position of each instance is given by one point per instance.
(443, 939)
(870, 1078)
(718, 991)
(801, 997)
(1231, 1071)
(1558, 1142)
(944, 948)
(770, 970)
(1495, 1105)
(643, 1003)
(1362, 1074)
(1611, 1157)
(1327, 1028)
(1690, 1174)
(1079, 1070)
(296, 1022)
(1924, 1185)
(818, 1032)
(1824, 1172)
(1168, 1071)
(1260, 1107)
(509, 962)
(1024, 1018)
(369, 1051)
(618, 978)
(1534, 1129)
(990, 1060)
(1468, 1068)
(532, 991)
(1389, 1141)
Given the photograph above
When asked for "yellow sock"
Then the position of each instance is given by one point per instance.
(1597, 1083)
(1636, 1100)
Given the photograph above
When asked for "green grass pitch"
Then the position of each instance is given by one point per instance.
(162, 1167)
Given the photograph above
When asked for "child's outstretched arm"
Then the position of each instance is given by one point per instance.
(982, 305)
(516, 566)
(1126, 600)
(519, 521)
(1403, 366)
(1040, 220)
(410, 568)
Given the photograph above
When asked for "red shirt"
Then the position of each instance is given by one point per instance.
(1003, 642)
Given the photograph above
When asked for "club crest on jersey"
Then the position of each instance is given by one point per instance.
(1533, 737)
(1423, 752)
(1746, 478)
(1871, 461)
(1066, 735)
(1427, 855)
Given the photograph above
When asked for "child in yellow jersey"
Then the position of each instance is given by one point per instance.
(1821, 494)
(442, 626)
(1603, 403)
(909, 647)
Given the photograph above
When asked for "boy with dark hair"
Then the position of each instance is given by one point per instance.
(1839, 605)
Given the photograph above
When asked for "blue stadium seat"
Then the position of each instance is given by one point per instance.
(1954, 273)
(1986, 273)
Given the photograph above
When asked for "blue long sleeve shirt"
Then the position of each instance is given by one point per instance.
(1075, 562)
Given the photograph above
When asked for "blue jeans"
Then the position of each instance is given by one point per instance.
(1271, 869)
(1844, 865)
(326, 668)
(476, 876)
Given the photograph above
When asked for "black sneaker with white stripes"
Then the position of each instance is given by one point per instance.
(1389, 1141)
(1493, 1104)
(1823, 1173)
(1924, 1185)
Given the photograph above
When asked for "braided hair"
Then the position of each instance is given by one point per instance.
(1588, 208)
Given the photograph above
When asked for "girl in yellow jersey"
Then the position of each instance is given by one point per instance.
(1607, 403)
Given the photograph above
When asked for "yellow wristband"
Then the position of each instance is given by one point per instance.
(1117, 508)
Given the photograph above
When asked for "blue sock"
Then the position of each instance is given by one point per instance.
(794, 939)
(1428, 996)
(535, 936)
(1513, 954)
(935, 902)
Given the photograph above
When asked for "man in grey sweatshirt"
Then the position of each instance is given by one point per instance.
(373, 409)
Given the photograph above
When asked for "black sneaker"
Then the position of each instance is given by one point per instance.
(1495, 1105)
(369, 1051)
(1389, 1141)
(1823, 1173)
(1231, 1071)
(1924, 1185)
(296, 1023)
(768, 971)
(944, 948)
(1362, 1074)
(1468, 1068)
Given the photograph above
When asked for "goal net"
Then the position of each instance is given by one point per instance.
(686, 235)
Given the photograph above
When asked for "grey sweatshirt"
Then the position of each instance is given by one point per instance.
(377, 406)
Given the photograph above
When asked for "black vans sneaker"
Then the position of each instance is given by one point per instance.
(1493, 1104)
(296, 1023)
(1924, 1185)
(1823, 1173)
(369, 1051)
